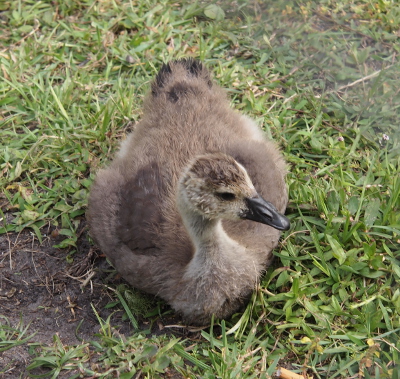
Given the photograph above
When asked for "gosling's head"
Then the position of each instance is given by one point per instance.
(216, 186)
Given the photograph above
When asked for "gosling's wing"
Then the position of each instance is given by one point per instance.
(140, 216)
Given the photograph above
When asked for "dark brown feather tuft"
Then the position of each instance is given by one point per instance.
(193, 68)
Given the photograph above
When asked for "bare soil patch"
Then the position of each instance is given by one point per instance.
(52, 296)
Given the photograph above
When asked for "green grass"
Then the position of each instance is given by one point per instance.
(11, 337)
(321, 78)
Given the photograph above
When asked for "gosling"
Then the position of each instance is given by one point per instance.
(191, 207)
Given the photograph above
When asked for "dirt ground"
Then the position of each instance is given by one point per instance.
(52, 296)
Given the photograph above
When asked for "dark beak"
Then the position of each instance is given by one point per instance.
(265, 212)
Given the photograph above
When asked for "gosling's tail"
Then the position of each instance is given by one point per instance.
(181, 78)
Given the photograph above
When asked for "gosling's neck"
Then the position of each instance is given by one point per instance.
(213, 247)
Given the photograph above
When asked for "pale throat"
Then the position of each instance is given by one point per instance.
(208, 236)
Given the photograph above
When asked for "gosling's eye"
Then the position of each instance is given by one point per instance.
(227, 196)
